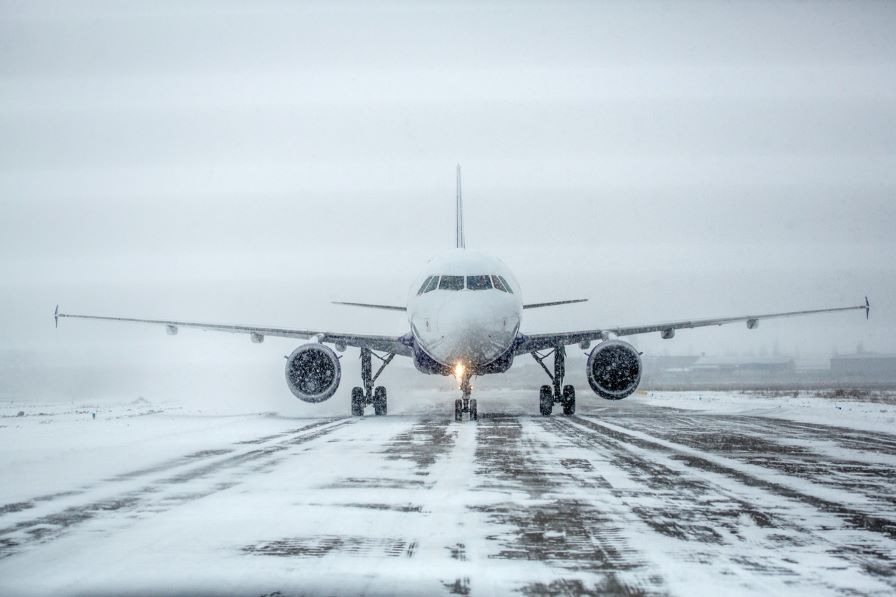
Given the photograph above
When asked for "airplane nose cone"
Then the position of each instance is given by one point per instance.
(471, 333)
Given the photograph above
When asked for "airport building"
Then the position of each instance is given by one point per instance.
(865, 365)
(743, 366)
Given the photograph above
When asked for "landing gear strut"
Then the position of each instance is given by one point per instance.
(465, 404)
(558, 394)
(361, 397)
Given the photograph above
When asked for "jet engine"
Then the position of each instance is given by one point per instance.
(313, 372)
(614, 369)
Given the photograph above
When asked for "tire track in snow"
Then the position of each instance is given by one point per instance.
(556, 524)
(147, 471)
(410, 479)
(794, 450)
(752, 475)
(690, 497)
(162, 494)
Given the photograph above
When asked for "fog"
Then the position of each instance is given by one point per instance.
(251, 162)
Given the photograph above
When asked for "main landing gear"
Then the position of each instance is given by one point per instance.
(465, 404)
(361, 397)
(559, 394)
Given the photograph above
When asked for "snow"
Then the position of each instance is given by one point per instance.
(674, 493)
(805, 406)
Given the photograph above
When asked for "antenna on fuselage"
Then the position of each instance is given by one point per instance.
(459, 231)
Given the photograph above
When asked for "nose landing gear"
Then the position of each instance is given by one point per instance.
(361, 397)
(465, 404)
(558, 394)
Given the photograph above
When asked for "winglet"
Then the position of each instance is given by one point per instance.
(459, 230)
(56, 316)
(867, 308)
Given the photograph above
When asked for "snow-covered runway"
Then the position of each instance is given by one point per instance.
(641, 498)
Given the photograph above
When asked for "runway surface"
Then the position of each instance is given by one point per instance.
(639, 499)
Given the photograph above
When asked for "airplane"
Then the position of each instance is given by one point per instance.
(464, 313)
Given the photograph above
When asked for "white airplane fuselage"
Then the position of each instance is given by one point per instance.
(469, 317)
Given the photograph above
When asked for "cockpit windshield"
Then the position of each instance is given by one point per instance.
(479, 282)
(425, 284)
(501, 284)
(451, 283)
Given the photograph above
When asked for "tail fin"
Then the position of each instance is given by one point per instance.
(459, 231)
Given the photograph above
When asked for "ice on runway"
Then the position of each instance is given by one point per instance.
(628, 499)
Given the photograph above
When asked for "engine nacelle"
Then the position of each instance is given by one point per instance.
(313, 372)
(614, 369)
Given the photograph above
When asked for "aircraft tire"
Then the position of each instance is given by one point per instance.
(357, 402)
(379, 401)
(458, 410)
(474, 413)
(545, 401)
(569, 400)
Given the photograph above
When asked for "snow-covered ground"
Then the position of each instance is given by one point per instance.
(871, 410)
(670, 493)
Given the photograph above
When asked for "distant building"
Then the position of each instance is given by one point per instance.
(867, 365)
(745, 365)
(664, 363)
(700, 371)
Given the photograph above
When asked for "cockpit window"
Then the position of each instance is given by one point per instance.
(479, 282)
(433, 282)
(499, 284)
(504, 283)
(451, 283)
(424, 285)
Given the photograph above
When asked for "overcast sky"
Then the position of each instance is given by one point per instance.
(249, 162)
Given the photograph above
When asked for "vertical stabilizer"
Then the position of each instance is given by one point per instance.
(459, 232)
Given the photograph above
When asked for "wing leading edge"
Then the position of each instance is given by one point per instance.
(667, 330)
(371, 306)
(392, 344)
(553, 303)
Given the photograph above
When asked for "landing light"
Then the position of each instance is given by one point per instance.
(459, 371)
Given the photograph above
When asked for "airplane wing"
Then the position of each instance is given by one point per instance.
(667, 330)
(371, 306)
(392, 344)
(553, 303)
(397, 308)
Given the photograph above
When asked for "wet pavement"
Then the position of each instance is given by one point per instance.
(634, 501)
